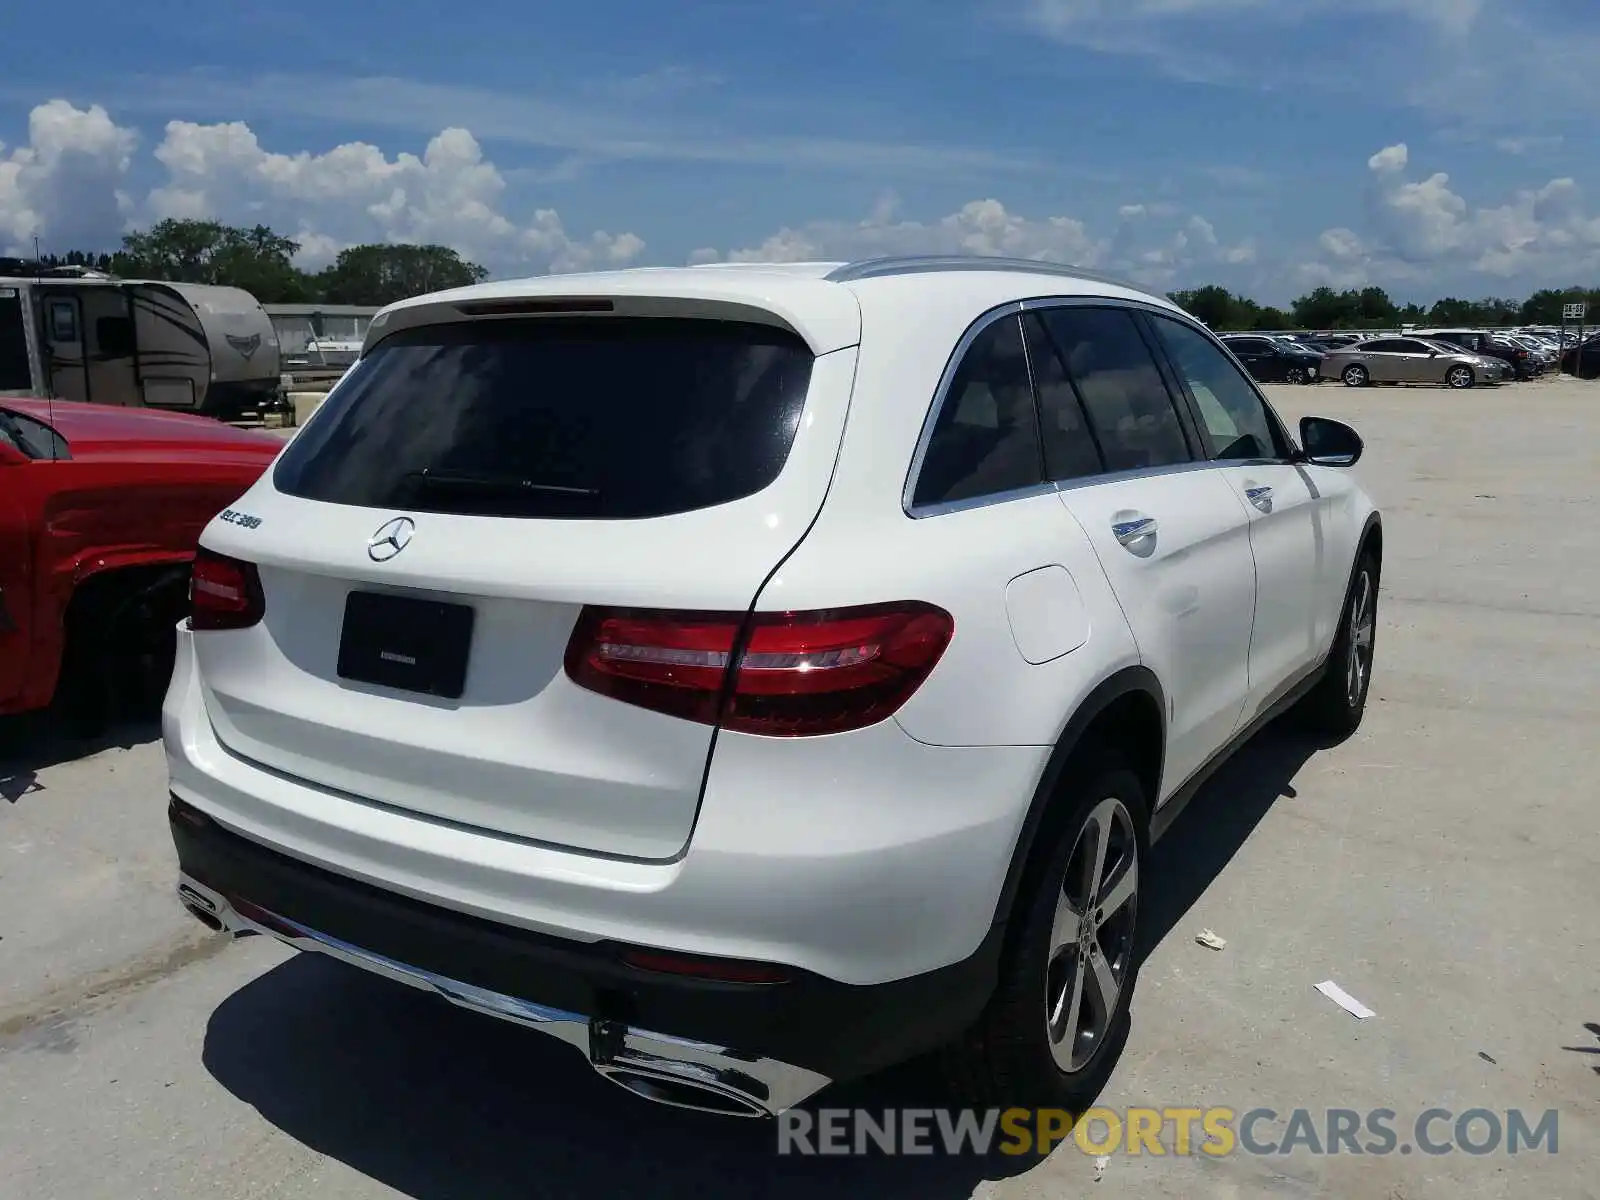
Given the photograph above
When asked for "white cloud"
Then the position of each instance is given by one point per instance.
(450, 194)
(1422, 227)
(1142, 244)
(1390, 158)
(67, 185)
(71, 185)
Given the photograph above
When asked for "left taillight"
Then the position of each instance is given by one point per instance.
(224, 593)
(784, 674)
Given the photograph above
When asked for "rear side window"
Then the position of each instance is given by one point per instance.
(985, 440)
(1129, 407)
(607, 418)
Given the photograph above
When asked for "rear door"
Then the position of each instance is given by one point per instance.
(1288, 516)
(456, 503)
(1168, 529)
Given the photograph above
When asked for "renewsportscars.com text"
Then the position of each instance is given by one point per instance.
(1217, 1132)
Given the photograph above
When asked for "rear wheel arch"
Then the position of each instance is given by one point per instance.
(1125, 714)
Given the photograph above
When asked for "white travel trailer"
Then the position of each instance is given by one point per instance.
(80, 335)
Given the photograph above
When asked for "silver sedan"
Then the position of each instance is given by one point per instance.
(1411, 360)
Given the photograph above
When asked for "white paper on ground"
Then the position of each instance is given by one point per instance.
(1344, 1000)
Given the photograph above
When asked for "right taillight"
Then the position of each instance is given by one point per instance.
(224, 593)
(791, 674)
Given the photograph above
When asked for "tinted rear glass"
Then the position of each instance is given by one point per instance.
(606, 418)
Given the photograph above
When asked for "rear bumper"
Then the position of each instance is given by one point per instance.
(787, 1039)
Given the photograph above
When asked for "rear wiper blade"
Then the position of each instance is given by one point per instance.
(430, 477)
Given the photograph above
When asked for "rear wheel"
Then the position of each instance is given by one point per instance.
(1057, 1022)
(1355, 375)
(1460, 377)
(1298, 375)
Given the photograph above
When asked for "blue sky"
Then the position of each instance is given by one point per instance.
(1430, 146)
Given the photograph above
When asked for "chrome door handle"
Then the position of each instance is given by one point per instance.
(1261, 497)
(1128, 532)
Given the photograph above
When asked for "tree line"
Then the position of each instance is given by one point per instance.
(261, 262)
(1372, 308)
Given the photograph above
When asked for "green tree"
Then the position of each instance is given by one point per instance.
(1452, 311)
(382, 274)
(1375, 309)
(1270, 318)
(1323, 308)
(184, 251)
(1218, 308)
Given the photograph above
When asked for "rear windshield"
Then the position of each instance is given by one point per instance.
(600, 418)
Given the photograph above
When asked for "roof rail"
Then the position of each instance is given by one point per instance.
(874, 268)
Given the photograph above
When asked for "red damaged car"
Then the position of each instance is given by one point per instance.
(100, 511)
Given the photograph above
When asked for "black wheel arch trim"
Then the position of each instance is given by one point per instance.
(1128, 681)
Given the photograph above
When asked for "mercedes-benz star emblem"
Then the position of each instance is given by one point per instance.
(391, 539)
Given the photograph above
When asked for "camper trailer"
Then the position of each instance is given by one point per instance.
(80, 335)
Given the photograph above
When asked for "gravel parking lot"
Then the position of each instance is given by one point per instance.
(1442, 866)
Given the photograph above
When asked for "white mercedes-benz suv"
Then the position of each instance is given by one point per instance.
(759, 675)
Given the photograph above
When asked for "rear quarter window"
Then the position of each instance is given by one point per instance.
(597, 418)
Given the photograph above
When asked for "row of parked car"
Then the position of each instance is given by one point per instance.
(1458, 358)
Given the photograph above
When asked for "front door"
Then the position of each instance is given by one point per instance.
(64, 357)
(1287, 514)
(1416, 362)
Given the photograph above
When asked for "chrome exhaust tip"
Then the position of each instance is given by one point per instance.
(201, 907)
(661, 1088)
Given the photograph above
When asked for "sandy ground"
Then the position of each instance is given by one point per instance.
(1442, 866)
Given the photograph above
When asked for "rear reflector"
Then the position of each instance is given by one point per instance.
(720, 970)
(224, 593)
(794, 674)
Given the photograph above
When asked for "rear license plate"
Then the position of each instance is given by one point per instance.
(406, 643)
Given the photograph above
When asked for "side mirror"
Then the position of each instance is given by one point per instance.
(1329, 443)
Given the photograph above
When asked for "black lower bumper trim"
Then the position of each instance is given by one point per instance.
(840, 1030)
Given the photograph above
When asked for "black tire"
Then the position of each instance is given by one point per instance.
(1460, 377)
(1007, 1058)
(1339, 701)
(1355, 375)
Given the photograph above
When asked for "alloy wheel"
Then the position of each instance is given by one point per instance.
(1363, 620)
(1092, 936)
